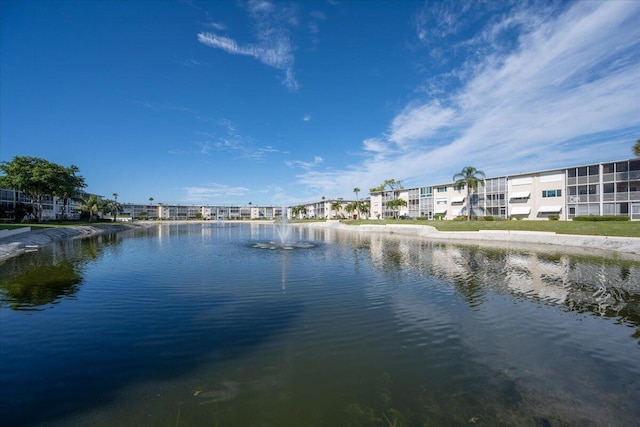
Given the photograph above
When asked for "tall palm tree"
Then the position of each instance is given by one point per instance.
(470, 177)
(636, 148)
(115, 212)
(357, 190)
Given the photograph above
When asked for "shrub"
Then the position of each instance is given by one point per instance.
(460, 218)
(438, 217)
(489, 218)
(554, 217)
(601, 218)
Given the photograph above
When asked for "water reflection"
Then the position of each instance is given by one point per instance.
(38, 280)
(600, 286)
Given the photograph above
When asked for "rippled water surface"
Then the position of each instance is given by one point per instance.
(209, 325)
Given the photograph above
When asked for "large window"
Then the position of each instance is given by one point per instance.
(441, 189)
(551, 193)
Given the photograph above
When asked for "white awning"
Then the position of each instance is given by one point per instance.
(550, 209)
(520, 210)
(441, 210)
(520, 195)
(457, 199)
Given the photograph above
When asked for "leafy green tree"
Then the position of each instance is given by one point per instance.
(636, 148)
(470, 177)
(36, 177)
(67, 185)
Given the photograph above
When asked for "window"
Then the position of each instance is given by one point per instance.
(587, 189)
(441, 189)
(551, 193)
(459, 187)
(622, 167)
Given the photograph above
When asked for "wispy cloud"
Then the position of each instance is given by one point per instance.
(525, 105)
(306, 117)
(228, 139)
(212, 193)
(191, 62)
(273, 46)
(304, 165)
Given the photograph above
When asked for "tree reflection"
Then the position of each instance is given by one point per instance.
(40, 285)
(34, 281)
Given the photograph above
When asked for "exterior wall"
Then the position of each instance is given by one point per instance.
(545, 195)
(609, 188)
(12, 202)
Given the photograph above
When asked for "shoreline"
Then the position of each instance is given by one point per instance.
(617, 247)
(18, 244)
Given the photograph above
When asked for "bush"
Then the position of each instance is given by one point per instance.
(601, 218)
(554, 217)
(489, 218)
(460, 218)
(438, 217)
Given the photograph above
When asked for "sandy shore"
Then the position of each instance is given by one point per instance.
(620, 247)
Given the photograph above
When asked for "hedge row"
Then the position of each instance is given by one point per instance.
(601, 218)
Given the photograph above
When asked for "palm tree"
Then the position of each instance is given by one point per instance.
(357, 190)
(470, 177)
(90, 205)
(363, 208)
(110, 207)
(150, 203)
(350, 208)
(636, 148)
(335, 206)
(115, 212)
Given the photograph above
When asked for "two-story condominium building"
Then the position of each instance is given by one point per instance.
(608, 188)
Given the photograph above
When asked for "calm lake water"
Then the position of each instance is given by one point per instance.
(191, 325)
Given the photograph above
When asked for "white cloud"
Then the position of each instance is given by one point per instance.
(273, 46)
(304, 165)
(211, 193)
(306, 118)
(529, 103)
(420, 122)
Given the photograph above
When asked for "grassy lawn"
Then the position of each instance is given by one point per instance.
(590, 228)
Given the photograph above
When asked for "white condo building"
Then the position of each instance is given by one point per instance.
(608, 188)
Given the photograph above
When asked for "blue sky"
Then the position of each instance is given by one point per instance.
(213, 102)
